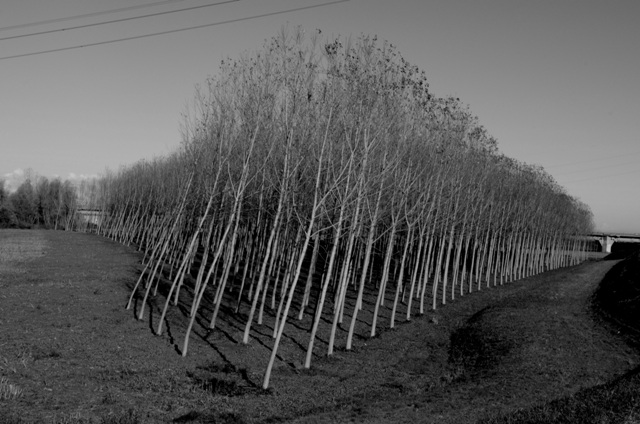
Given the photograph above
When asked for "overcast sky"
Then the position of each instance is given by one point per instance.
(557, 82)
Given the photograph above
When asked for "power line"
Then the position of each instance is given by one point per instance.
(602, 176)
(598, 167)
(594, 160)
(88, 15)
(131, 18)
(263, 15)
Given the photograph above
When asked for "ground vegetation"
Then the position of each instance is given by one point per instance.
(534, 350)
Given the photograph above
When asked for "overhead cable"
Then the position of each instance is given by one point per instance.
(88, 15)
(263, 15)
(593, 160)
(113, 21)
(602, 177)
(597, 168)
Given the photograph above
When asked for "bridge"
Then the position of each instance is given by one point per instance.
(606, 240)
(91, 216)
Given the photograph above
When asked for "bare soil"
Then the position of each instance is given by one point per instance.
(77, 355)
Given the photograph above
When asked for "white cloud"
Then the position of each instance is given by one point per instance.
(12, 180)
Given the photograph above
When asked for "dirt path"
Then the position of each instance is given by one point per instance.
(79, 356)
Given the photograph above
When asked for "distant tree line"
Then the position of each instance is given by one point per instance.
(44, 203)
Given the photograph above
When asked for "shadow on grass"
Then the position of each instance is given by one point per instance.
(613, 402)
(199, 417)
(617, 300)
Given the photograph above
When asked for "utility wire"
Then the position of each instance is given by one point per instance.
(263, 15)
(88, 15)
(593, 160)
(602, 177)
(598, 167)
(113, 21)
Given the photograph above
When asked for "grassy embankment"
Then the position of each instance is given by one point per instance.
(617, 303)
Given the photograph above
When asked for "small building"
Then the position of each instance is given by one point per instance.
(91, 216)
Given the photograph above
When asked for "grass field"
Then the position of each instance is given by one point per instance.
(532, 351)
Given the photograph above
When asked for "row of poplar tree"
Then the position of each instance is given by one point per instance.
(320, 169)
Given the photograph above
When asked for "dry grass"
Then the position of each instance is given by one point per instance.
(9, 391)
(17, 249)
(618, 401)
(80, 357)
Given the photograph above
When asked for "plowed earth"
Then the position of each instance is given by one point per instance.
(77, 355)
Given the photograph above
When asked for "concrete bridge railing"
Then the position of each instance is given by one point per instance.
(607, 240)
